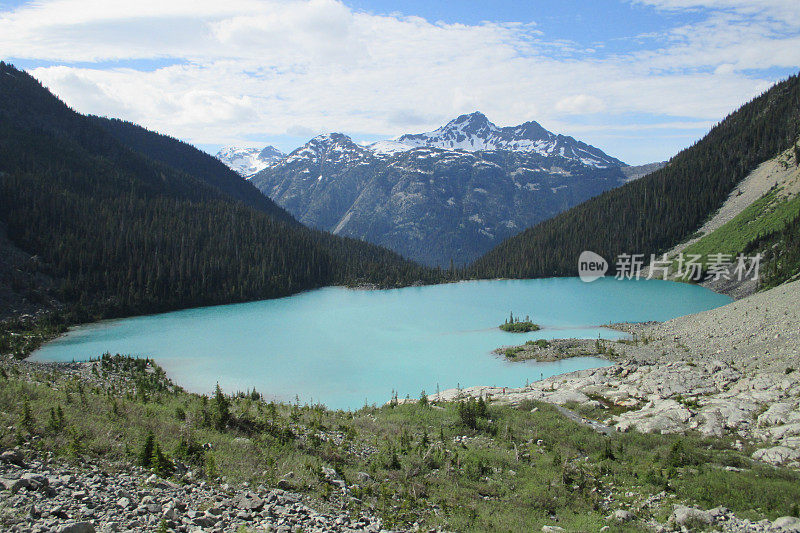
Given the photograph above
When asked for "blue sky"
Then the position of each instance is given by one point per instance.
(641, 80)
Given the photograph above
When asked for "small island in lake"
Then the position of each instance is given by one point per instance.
(516, 325)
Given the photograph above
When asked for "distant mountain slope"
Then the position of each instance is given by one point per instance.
(432, 203)
(656, 212)
(122, 233)
(636, 172)
(248, 161)
(757, 215)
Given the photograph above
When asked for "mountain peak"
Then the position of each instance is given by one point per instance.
(476, 117)
(248, 161)
(270, 152)
(331, 138)
(474, 132)
(330, 147)
(330, 141)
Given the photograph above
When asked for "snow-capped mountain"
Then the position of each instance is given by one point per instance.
(451, 194)
(330, 148)
(474, 132)
(248, 161)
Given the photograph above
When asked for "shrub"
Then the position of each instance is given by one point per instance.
(539, 343)
(680, 455)
(159, 462)
(189, 450)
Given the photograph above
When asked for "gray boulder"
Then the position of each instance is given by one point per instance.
(620, 515)
(691, 517)
(77, 527)
(777, 455)
(248, 501)
(787, 524)
(12, 457)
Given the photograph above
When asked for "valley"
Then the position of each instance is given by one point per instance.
(229, 372)
(441, 198)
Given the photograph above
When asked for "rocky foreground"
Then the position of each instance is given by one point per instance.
(40, 492)
(728, 374)
(43, 496)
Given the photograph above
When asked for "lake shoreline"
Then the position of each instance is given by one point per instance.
(324, 345)
(717, 288)
(733, 371)
(641, 391)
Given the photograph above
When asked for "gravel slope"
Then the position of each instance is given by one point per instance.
(781, 171)
(778, 171)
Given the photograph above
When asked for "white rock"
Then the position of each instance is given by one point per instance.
(787, 524)
(777, 455)
(777, 413)
(690, 517)
(660, 416)
(621, 515)
(711, 423)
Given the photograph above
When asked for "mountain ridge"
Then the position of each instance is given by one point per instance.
(475, 132)
(435, 204)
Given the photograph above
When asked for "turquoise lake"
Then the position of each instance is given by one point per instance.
(345, 347)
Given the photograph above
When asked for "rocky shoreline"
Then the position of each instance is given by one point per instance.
(547, 351)
(732, 372)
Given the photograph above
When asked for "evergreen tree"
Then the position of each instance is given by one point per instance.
(221, 409)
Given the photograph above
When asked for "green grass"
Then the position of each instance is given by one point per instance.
(767, 214)
(513, 352)
(539, 343)
(500, 479)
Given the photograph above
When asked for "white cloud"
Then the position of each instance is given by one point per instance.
(580, 103)
(247, 67)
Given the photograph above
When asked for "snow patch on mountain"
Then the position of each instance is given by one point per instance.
(474, 133)
(248, 161)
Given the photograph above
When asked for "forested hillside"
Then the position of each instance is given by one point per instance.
(659, 210)
(186, 158)
(781, 254)
(151, 227)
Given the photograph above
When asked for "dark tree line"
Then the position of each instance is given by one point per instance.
(660, 210)
(126, 230)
